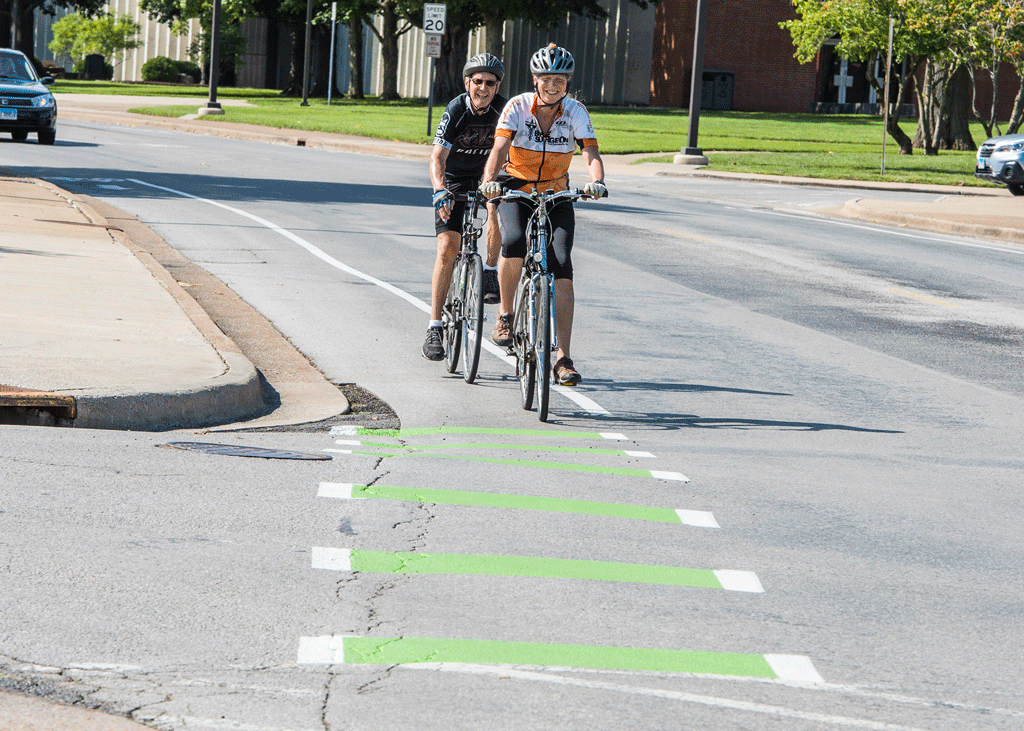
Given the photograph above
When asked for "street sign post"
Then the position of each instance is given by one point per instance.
(434, 25)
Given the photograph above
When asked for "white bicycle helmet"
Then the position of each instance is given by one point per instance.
(552, 59)
(484, 62)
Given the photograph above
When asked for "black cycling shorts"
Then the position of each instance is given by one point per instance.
(454, 222)
(514, 216)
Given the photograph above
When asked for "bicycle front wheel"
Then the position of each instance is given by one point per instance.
(542, 344)
(473, 317)
(526, 367)
(453, 317)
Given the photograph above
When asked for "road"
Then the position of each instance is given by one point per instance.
(833, 408)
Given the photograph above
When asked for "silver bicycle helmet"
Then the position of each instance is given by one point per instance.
(484, 62)
(552, 59)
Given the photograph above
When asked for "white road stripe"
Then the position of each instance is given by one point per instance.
(327, 650)
(704, 700)
(332, 559)
(697, 518)
(339, 451)
(587, 404)
(669, 476)
(740, 581)
(350, 442)
(612, 435)
(794, 668)
(639, 454)
(336, 490)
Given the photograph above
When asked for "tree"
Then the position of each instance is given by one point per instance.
(923, 41)
(26, 16)
(178, 14)
(78, 36)
(995, 36)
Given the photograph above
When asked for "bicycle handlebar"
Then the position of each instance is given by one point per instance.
(548, 198)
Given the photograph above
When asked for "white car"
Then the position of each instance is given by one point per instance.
(1000, 161)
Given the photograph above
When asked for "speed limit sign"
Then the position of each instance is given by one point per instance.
(434, 17)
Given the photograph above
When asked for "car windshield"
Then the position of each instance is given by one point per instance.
(16, 67)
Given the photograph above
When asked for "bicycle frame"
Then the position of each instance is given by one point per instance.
(463, 305)
(535, 334)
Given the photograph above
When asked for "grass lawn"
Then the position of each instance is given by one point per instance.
(839, 147)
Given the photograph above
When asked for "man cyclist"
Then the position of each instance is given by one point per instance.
(538, 133)
(464, 137)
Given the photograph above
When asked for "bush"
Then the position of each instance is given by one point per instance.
(108, 70)
(160, 68)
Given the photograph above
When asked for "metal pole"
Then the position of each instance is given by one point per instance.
(305, 66)
(885, 115)
(330, 72)
(430, 100)
(697, 79)
(212, 105)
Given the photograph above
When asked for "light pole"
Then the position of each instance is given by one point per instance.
(691, 154)
(212, 105)
(305, 65)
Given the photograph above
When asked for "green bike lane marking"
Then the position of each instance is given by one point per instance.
(348, 491)
(388, 562)
(656, 474)
(353, 431)
(351, 650)
(408, 448)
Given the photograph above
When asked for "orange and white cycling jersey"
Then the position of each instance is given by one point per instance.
(538, 158)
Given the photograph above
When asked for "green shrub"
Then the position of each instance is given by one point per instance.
(160, 68)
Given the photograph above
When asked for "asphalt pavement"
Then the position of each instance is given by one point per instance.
(99, 330)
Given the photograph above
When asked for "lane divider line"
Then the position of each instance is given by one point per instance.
(362, 431)
(587, 404)
(406, 562)
(566, 466)
(352, 650)
(435, 496)
(409, 448)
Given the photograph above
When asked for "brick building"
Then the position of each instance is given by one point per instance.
(744, 46)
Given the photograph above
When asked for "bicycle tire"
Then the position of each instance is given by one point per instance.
(542, 344)
(526, 368)
(453, 322)
(473, 317)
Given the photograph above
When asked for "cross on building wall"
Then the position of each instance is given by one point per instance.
(844, 81)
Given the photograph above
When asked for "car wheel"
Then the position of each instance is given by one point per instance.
(19, 136)
(47, 136)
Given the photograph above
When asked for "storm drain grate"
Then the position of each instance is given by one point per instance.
(233, 450)
(26, 406)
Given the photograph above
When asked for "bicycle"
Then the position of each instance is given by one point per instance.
(463, 311)
(534, 337)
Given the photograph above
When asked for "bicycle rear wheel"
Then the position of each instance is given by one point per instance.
(526, 368)
(453, 317)
(473, 317)
(542, 344)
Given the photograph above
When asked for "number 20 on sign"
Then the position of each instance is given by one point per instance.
(434, 17)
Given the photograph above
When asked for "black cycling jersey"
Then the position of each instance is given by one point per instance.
(467, 136)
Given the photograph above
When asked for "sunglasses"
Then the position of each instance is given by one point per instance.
(489, 83)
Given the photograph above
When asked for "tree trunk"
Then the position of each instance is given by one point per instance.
(448, 82)
(495, 28)
(957, 128)
(931, 113)
(1017, 115)
(389, 50)
(319, 62)
(294, 85)
(355, 58)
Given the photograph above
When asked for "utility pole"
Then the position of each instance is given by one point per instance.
(691, 154)
(305, 66)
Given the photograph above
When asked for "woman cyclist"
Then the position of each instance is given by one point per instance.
(537, 134)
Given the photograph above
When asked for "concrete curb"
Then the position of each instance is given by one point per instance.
(235, 395)
(855, 209)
